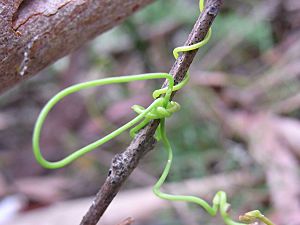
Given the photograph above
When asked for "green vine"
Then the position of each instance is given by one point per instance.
(161, 108)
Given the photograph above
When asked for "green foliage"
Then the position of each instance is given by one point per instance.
(259, 34)
(167, 10)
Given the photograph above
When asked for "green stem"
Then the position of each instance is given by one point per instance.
(75, 88)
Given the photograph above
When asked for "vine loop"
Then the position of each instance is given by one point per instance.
(161, 108)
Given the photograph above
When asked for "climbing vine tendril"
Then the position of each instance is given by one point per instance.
(161, 108)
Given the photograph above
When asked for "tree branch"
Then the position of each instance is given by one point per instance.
(123, 164)
(35, 33)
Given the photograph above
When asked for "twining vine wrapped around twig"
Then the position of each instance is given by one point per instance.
(161, 108)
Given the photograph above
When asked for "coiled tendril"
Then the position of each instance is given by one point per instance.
(160, 108)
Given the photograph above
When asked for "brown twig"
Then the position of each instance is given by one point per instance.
(231, 183)
(123, 164)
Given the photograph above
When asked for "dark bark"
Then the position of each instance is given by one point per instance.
(36, 33)
(123, 164)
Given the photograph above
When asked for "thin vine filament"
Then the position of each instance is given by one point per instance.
(75, 88)
(161, 108)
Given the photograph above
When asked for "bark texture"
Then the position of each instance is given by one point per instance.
(35, 33)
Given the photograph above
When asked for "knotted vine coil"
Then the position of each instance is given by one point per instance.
(160, 109)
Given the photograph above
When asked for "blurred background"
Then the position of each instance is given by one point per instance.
(238, 129)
